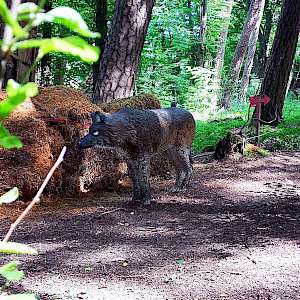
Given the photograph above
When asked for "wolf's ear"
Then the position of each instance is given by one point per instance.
(98, 117)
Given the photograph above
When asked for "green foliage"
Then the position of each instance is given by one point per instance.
(11, 21)
(286, 136)
(208, 133)
(72, 45)
(9, 197)
(10, 272)
(16, 248)
(16, 94)
(67, 17)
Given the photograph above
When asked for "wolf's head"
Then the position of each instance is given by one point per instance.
(103, 132)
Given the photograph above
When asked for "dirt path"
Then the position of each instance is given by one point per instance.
(233, 235)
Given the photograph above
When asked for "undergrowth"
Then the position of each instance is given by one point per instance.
(286, 136)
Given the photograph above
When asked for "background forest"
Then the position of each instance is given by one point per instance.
(182, 57)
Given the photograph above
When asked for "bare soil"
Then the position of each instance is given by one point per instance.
(234, 234)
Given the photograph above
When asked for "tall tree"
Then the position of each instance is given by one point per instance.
(122, 51)
(250, 55)
(264, 38)
(281, 60)
(45, 66)
(202, 31)
(219, 61)
(253, 17)
(101, 26)
(19, 64)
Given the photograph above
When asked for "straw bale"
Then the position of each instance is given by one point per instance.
(26, 168)
(145, 101)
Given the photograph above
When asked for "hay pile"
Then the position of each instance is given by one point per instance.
(26, 168)
(146, 101)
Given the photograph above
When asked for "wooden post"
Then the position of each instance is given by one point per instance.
(258, 116)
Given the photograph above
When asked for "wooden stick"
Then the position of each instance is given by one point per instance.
(37, 196)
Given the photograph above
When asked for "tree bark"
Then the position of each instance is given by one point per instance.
(122, 51)
(45, 66)
(18, 65)
(202, 31)
(219, 61)
(59, 74)
(250, 55)
(281, 61)
(240, 51)
(101, 25)
(263, 39)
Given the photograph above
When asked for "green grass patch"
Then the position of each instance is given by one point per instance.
(286, 136)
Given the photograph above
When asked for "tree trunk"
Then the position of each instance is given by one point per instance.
(281, 61)
(45, 65)
(59, 74)
(295, 85)
(263, 39)
(241, 49)
(18, 66)
(101, 25)
(219, 62)
(250, 55)
(202, 31)
(122, 51)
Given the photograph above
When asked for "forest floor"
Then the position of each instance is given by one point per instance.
(233, 235)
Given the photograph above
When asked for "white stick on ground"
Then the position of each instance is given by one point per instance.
(37, 196)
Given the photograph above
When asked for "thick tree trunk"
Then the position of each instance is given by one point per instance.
(263, 39)
(101, 25)
(281, 61)
(250, 55)
(122, 51)
(241, 49)
(219, 62)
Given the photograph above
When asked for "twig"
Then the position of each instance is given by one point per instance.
(111, 211)
(37, 196)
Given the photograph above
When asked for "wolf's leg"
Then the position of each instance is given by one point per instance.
(139, 172)
(133, 172)
(183, 166)
(144, 179)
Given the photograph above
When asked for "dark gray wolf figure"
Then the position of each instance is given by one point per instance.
(140, 134)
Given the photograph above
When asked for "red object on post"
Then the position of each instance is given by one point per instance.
(254, 100)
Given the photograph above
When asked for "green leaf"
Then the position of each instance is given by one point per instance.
(10, 21)
(72, 45)
(19, 297)
(11, 142)
(10, 272)
(180, 261)
(3, 131)
(16, 94)
(27, 8)
(10, 196)
(68, 17)
(16, 248)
